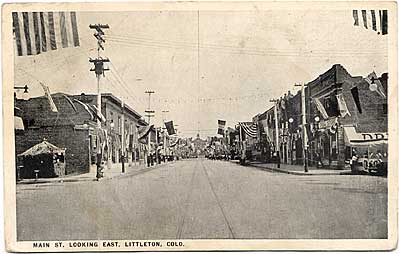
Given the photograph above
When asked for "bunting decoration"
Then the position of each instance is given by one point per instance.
(49, 98)
(221, 125)
(372, 19)
(249, 128)
(321, 108)
(37, 32)
(343, 109)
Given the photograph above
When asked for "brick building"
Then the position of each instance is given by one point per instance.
(74, 127)
(330, 132)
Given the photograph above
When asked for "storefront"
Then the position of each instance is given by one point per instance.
(370, 148)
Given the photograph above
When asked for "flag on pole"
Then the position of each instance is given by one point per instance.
(49, 98)
(170, 128)
(37, 32)
(251, 129)
(375, 84)
(221, 125)
(372, 19)
(321, 108)
(343, 109)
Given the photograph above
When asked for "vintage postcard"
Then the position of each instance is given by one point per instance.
(171, 126)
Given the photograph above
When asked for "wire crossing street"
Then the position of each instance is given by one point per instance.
(202, 199)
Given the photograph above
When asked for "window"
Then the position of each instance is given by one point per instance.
(385, 108)
(119, 124)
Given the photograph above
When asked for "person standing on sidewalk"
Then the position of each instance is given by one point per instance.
(353, 161)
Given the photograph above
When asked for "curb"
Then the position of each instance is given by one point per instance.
(86, 179)
(297, 173)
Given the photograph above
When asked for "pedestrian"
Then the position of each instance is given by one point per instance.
(319, 161)
(353, 162)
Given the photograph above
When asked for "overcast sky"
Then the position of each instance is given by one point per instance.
(245, 59)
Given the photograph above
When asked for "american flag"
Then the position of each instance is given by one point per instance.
(251, 129)
(372, 19)
(37, 32)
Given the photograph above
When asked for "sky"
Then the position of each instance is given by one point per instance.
(207, 65)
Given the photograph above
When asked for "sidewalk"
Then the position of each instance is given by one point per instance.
(114, 171)
(298, 169)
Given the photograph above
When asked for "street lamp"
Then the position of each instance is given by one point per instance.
(316, 129)
(373, 86)
(291, 121)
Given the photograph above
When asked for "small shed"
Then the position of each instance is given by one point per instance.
(45, 158)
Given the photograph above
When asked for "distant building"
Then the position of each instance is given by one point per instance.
(74, 127)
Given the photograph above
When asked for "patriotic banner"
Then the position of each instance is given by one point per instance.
(343, 109)
(249, 128)
(372, 19)
(170, 128)
(375, 84)
(37, 32)
(49, 98)
(221, 125)
(321, 108)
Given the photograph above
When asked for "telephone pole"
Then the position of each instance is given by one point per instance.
(164, 112)
(99, 70)
(304, 134)
(276, 123)
(150, 113)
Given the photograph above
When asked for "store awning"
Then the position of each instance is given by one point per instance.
(42, 148)
(354, 138)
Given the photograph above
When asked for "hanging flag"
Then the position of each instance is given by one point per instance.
(221, 125)
(85, 107)
(49, 98)
(18, 122)
(343, 109)
(170, 128)
(70, 102)
(371, 20)
(334, 127)
(37, 32)
(321, 108)
(249, 128)
(355, 95)
(99, 114)
(375, 84)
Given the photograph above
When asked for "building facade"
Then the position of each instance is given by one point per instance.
(339, 110)
(74, 127)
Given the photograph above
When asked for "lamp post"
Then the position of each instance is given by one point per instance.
(316, 130)
(290, 122)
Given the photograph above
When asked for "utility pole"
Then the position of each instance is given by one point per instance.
(277, 132)
(304, 134)
(123, 136)
(99, 70)
(149, 115)
(164, 112)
